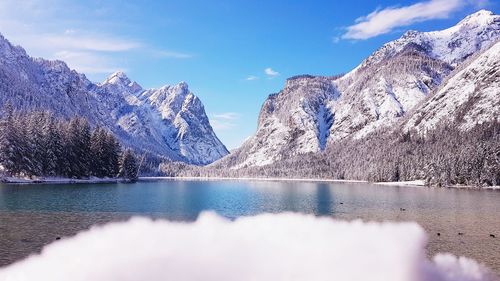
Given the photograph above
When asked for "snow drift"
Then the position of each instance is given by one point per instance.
(265, 247)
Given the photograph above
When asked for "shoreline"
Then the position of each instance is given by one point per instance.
(93, 180)
(57, 180)
(248, 179)
(415, 183)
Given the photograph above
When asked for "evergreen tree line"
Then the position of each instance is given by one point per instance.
(446, 156)
(36, 144)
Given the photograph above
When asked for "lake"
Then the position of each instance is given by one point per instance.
(32, 216)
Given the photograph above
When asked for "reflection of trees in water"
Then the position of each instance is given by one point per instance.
(291, 197)
(324, 200)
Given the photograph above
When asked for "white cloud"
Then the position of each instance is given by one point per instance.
(221, 125)
(95, 42)
(383, 21)
(227, 115)
(87, 62)
(224, 121)
(84, 39)
(270, 72)
(87, 53)
(266, 247)
(251, 78)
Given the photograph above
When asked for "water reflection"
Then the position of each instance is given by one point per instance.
(33, 215)
(324, 200)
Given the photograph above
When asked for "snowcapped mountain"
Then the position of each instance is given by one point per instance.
(470, 96)
(169, 122)
(451, 45)
(399, 75)
(293, 121)
(311, 112)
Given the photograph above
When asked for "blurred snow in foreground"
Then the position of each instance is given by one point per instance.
(264, 247)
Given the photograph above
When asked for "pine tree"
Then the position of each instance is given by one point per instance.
(24, 147)
(98, 153)
(65, 163)
(9, 151)
(35, 140)
(129, 166)
(113, 151)
(78, 141)
(51, 147)
(84, 133)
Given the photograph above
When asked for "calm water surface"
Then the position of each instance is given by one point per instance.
(32, 216)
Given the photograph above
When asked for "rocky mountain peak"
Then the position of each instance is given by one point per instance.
(117, 77)
(410, 34)
(9, 51)
(168, 123)
(120, 82)
(481, 17)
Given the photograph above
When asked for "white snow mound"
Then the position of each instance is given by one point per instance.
(264, 247)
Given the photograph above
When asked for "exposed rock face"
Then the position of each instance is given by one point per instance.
(294, 121)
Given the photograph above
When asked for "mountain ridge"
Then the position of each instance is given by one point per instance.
(378, 93)
(139, 117)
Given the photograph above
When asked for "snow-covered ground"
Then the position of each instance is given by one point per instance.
(414, 183)
(247, 179)
(274, 247)
(404, 183)
(58, 180)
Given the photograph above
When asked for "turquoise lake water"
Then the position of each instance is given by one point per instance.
(32, 216)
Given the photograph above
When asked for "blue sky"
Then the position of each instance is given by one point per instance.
(233, 54)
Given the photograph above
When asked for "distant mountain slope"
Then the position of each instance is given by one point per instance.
(467, 98)
(311, 112)
(169, 122)
(296, 120)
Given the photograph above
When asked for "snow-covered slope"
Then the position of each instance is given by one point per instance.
(471, 96)
(311, 112)
(451, 45)
(399, 75)
(169, 122)
(294, 121)
(379, 93)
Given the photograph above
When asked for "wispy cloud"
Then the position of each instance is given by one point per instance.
(251, 78)
(227, 115)
(270, 72)
(382, 21)
(74, 40)
(88, 62)
(224, 121)
(72, 34)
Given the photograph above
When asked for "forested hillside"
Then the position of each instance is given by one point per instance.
(167, 123)
(37, 144)
(446, 156)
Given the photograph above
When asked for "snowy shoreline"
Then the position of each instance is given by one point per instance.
(248, 179)
(415, 183)
(57, 180)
